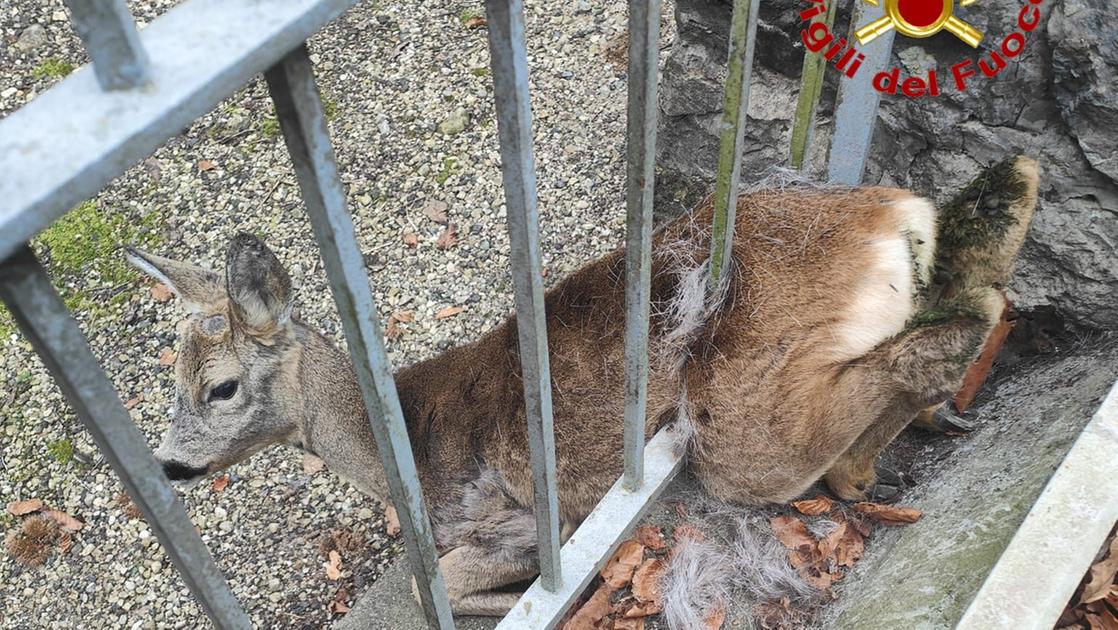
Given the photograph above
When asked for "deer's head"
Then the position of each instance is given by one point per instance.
(237, 342)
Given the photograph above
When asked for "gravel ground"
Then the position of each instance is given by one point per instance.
(410, 100)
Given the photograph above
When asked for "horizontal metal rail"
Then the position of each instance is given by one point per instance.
(1046, 559)
(597, 538)
(45, 322)
(509, 60)
(299, 108)
(857, 102)
(743, 30)
(54, 155)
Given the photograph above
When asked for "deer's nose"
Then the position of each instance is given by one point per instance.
(178, 471)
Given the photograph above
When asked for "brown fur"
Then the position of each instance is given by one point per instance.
(820, 347)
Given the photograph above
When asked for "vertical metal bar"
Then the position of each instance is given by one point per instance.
(743, 28)
(109, 34)
(509, 60)
(811, 86)
(644, 49)
(44, 320)
(856, 103)
(299, 109)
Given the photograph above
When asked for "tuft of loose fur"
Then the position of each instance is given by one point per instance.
(696, 582)
(740, 559)
(33, 541)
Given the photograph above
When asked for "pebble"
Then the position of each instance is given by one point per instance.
(455, 123)
(31, 38)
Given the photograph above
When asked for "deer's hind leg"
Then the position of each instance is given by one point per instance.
(926, 363)
(473, 576)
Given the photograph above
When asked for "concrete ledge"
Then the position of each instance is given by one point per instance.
(1060, 537)
(926, 575)
(389, 605)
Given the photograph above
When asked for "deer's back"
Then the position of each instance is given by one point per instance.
(818, 277)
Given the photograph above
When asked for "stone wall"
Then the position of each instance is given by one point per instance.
(1057, 101)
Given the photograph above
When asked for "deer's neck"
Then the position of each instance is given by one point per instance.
(333, 422)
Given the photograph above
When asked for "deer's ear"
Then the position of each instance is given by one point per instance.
(258, 285)
(196, 286)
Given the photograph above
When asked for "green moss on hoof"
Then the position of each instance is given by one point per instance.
(982, 213)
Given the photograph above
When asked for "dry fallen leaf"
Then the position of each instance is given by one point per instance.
(220, 483)
(888, 514)
(448, 238)
(393, 331)
(436, 211)
(65, 542)
(391, 521)
(618, 571)
(715, 617)
(851, 545)
(646, 582)
(639, 609)
(133, 401)
(410, 239)
(978, 371)
(64, 520)
(27, 506)
(312, 464)
(593, 611)
(167, 357)
(791, 532)
(205, 165)
(449, 311)
(130, 510)
(636, 623)
(814, 507)
(334, 566)
(1102, 575)
(688, 530)
(650, 536)
(475, 22)
(338, 605)
(1102, 620)
(160, 292)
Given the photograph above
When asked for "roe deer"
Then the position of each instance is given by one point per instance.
(840, 320)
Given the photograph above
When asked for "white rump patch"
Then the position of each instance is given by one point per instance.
(884, 300)
(916, 217)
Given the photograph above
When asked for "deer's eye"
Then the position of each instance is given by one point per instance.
(224, 391)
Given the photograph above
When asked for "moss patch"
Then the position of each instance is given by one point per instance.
(61, 451)
(54, 68)
(80, 253)
(449, 169)
(270, 127)
(979, 215)
(329, 106)
(470, 14)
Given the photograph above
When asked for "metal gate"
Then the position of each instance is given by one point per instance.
(144, 87)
